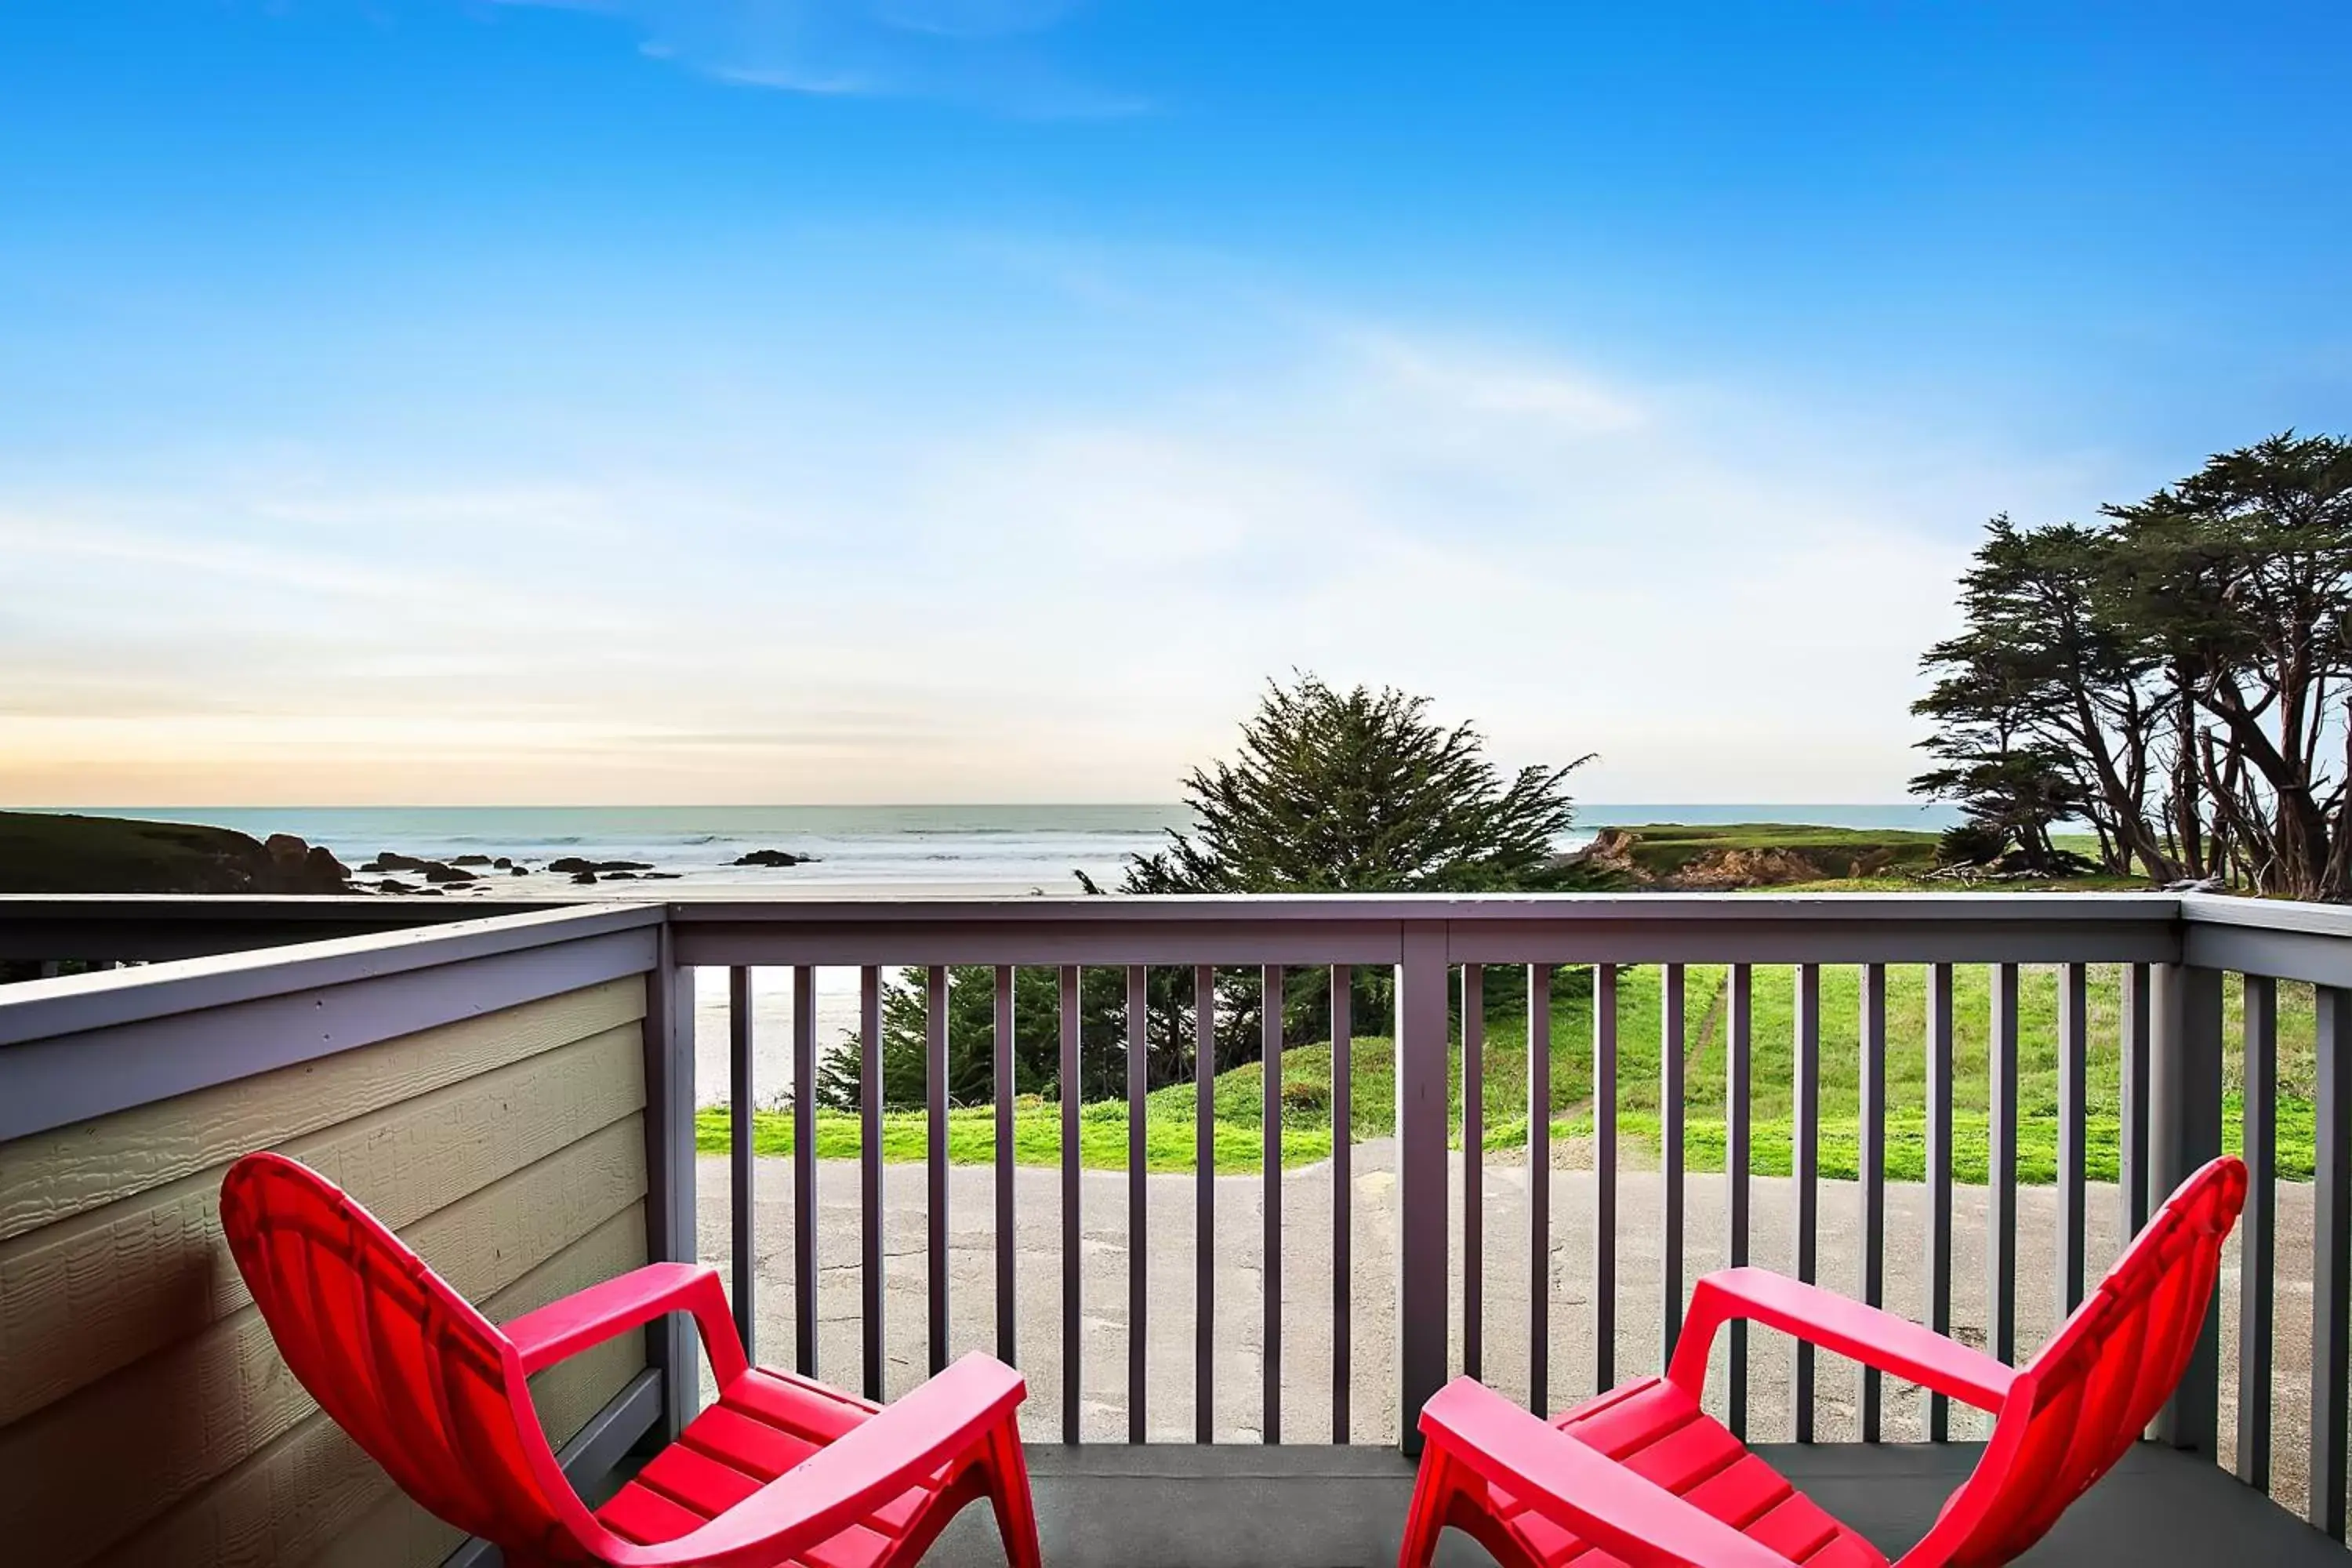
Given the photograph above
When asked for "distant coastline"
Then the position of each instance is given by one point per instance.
(995, 850)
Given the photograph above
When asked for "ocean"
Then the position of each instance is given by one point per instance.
(932, 850)
(998, 848)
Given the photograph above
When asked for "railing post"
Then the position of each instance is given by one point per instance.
(1420, 1123)
(2184, 1132)
(670, 1346)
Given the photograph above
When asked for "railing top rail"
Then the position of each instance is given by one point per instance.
(39, 1010)
(1759, 907)
(2266, 914)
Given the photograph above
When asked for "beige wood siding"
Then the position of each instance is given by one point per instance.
(145, 1416)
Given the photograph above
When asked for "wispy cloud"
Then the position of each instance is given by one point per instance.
(995, 56)
(1722, 590)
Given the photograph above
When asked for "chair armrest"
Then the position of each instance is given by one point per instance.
(875, 1461)
(600, 1312)
(1580, 1488)
(1894, 1345)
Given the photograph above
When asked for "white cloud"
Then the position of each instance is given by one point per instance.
(1051, 604)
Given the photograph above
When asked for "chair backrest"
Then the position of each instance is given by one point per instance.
(2111, 1366)
(403, 1363)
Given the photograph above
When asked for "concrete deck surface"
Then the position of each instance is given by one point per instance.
(1170, 1244)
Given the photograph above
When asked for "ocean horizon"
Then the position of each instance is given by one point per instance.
(1037, 846)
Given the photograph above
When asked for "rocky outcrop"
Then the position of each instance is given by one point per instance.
(438, 872)
(574, 865)
(1696, 859)
(301, 867)
(54, 852)
(777, 857)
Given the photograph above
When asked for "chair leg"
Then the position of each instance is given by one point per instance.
(1008, 1491)
(1425, 1519)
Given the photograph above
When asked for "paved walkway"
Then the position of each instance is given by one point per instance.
(1306, 1290)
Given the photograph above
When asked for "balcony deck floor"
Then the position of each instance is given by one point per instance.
(1180, 1506)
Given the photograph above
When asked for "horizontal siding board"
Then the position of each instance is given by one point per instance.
(202, 1405)
(51, 1176)
(112, 1285)
(295, 1497)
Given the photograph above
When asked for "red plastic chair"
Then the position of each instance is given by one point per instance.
(1642, 1477)
(781, 1469)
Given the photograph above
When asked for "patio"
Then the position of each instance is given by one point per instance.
(513, 1091)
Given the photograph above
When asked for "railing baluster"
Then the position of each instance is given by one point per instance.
(741, 1168)
(1939, 1178)
(1670, 1144)
(2331, 1263)
(1873, 1175)
(1138, 1083)
(1006, 1089)
(1539, 1187)
(1473, 1183)
(935, 1158)
(1605, 1176)
(1807, 1165)
(2001, 1172)
(1343, 1126)
(2258, 1232)
(2074, 1116)
(869, 1171)
(1073, 1094)
(1204, 1185)
(2184, 1132)
(2133, 1070)
(1737, 1162)
(804, 1170)
(1270, 1049)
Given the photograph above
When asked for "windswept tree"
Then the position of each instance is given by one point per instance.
(1361, 792)
(2043, 704)
(1354, 792)
(2242, 576)
(2179, 677)
(1331, 791)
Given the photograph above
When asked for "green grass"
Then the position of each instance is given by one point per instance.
(1306, 1075)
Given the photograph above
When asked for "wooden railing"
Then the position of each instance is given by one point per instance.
(2177, 956)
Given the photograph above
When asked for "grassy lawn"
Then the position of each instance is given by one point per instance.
(1306, 1070)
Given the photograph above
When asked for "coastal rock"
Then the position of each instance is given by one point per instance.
(298, 866)
(773, 858)
(583, 877)
(393, 887)
(469, 860)
(392, 861)
(516, 871)
(619, 876)
(575, 864)
(323, 871)
(436, 872)
(502, 864)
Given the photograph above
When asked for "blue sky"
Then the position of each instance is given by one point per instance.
(975, 399)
